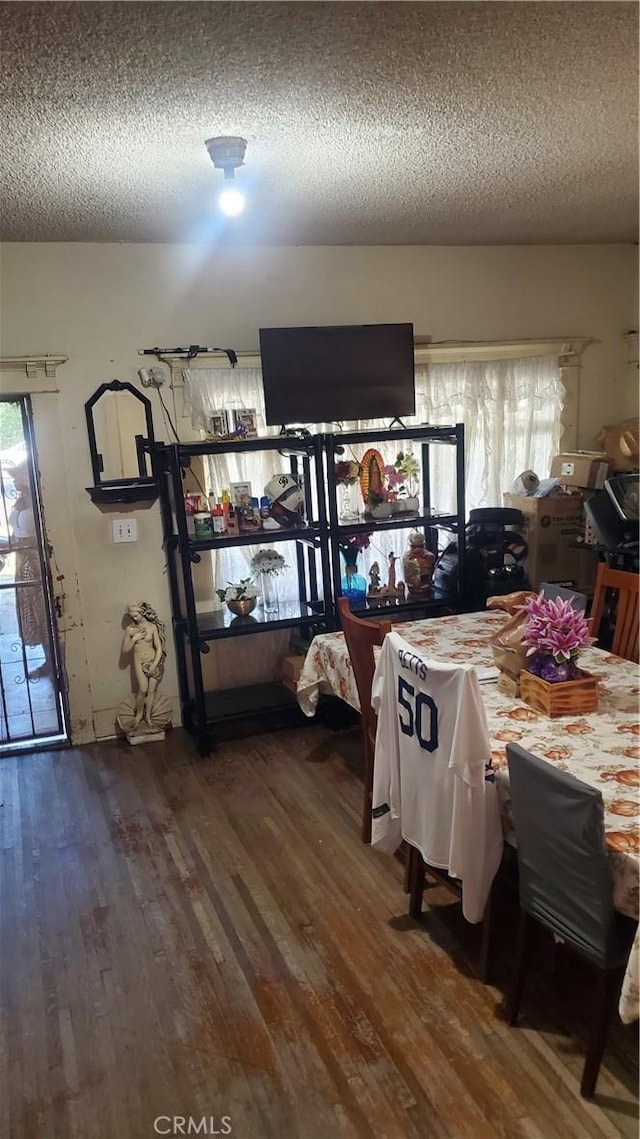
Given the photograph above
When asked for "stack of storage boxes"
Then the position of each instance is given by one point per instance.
(582, 470)
(555, 525)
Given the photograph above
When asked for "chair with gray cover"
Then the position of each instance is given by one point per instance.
(552, 592)
(566, 886)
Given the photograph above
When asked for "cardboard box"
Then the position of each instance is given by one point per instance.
(581, 468)
(291, 669)
(552, 526)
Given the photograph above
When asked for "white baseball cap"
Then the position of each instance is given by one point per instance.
(281, 487)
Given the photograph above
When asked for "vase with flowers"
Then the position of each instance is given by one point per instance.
(240, 596)
(347, 474)
(269, 565)
(353, 585)
(380, 502)
(554, 635)
(403, 479)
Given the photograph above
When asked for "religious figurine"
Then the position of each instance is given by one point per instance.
(395, 591)
(144, 715)
(390, 593)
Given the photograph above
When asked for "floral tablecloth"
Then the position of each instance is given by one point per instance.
(601, 748)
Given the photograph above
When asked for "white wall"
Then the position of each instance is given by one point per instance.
(97, 304)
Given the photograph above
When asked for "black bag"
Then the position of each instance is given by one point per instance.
(494, 559)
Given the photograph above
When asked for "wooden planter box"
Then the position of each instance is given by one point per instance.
(564, 698)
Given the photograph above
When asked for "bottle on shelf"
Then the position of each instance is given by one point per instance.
(217, 515)
(191, 503)
(232, 520)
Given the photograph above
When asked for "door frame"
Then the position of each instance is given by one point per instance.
(37, 377)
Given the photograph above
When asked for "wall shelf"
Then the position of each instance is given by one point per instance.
(145, 490)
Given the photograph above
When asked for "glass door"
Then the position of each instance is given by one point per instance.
(32, 704)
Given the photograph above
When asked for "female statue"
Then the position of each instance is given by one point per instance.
(145, 639)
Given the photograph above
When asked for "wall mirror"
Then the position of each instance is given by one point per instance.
(120, 429)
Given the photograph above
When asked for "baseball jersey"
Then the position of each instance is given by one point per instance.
(431, 758)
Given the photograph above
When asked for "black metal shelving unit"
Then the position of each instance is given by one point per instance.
(311, 458)
(427, 519)
(204, 712)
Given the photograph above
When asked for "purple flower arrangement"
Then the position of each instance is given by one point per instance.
(554, 634)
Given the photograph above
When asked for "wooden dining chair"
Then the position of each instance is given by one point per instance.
(566, 886)
(616, 592)
(362, 637)
(435, 788)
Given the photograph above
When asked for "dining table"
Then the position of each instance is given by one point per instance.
(602, 748)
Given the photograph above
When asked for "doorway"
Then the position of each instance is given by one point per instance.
(32, 699)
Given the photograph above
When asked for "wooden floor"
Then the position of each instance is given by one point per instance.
(208, 938)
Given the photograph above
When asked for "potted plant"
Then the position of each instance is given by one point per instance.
(403, 477)
(240, 597)
(379, 502)
(554, 635)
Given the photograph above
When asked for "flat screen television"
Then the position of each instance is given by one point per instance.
(326, 375)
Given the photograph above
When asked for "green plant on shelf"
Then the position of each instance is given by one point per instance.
(242, 590)
(403, 475)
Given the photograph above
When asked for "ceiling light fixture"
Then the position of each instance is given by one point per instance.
(227, 153)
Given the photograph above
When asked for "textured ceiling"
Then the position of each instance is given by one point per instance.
(368, 123)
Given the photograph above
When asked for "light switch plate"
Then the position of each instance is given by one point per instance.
(125, 530)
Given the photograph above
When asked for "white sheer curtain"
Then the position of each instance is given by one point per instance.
(511, 410)
(207, 390)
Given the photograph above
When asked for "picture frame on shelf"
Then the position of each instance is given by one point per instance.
(218, 425)
(246, 422)
(240, 493)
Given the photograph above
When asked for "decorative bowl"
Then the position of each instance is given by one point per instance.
(243, 607)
